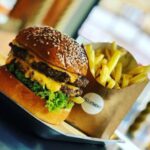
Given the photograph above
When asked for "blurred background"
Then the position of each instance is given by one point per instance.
(125, 21)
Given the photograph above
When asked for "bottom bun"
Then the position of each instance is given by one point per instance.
(25, 98)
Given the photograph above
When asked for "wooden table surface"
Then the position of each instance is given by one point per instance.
(5, 39)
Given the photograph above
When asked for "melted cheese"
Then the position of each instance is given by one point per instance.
(73, 76)
(78, 100)
(43, 80)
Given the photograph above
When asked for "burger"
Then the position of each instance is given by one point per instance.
(45, 73)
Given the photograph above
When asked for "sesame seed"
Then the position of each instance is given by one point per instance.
(66, 47)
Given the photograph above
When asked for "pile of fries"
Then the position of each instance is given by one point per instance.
(108, 69)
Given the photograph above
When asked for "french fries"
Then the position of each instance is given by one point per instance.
(98, 59)
(104, 61)
(97, 52)
(138, 78)
(99, 66)
(78, 100)
(107, 67)
(117, 86)
(140, 69)
(91, 56)
(114, 46)
(125, 80)
(104, 75)
(118, 72)
(111, 83)
(113, 61)
(108, 53)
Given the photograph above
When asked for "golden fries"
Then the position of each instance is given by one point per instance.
(97, 52)
(91, 56)
(117, 86)
(113, 61)
(111, 83)
(118, 72)
(114, 46)
(140, 69)
(78, 100)
(108, 69)
(103, 75)
(125, 80)
(99, 66)
(104, 61)
(98, 59)
(108, 53)
(97, 73)
(138, 78)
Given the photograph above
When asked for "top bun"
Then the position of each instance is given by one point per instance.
(55, 48)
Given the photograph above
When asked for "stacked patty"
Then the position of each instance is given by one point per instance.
(71, 87)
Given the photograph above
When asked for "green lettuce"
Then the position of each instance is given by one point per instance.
(55, 101)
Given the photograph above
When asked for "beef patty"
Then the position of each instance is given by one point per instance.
(47, 70)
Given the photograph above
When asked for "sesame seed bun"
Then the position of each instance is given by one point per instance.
(54, 48)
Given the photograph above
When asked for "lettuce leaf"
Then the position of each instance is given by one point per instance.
(55, 101)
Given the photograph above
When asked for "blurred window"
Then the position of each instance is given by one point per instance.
(107, 23)
(5, 7)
